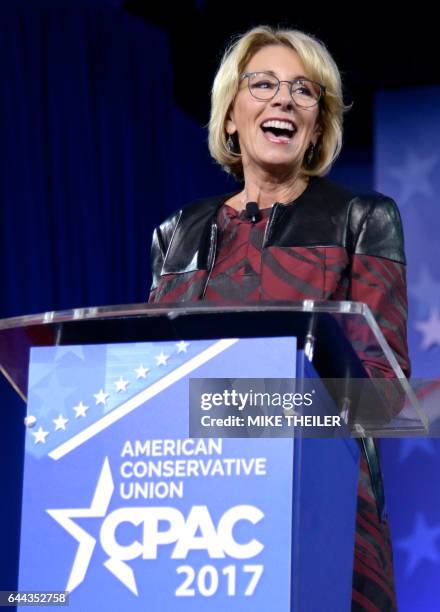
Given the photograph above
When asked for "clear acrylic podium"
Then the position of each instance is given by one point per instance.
(124, 511)
(332, 335)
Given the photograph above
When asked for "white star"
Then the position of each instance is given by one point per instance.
(80, 410)
(40, 436)
(162, 359)
(121, 384)
(60, 423)
(430, 329)
(141, 372)
(101, 397)
(182, 346)
(86, 543)
(420, 544)
(413, 175)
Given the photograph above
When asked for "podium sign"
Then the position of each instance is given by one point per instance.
(126, 512)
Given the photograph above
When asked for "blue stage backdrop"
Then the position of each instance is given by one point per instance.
(87, 147)
(93, 154)
(407, 167)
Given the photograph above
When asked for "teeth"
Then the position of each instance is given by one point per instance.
(281, 125)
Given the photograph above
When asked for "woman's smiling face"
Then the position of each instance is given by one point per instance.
(263, 148)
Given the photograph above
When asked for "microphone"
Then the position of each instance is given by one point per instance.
(252, 212)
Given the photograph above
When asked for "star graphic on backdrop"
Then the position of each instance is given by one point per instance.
(409, 445)
(162, 359)
(121, 384)
(52, 391)
(86, 543)
(60, 423)
(182, 346)
(420, 544)
(69, 350)
(80, 410)
(413, 175)
(141, 372)
(101, 397)
(430, 329)
(40, 435)
(427, 289)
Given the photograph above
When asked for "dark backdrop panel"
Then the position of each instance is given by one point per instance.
(86, 139)
(88, 165)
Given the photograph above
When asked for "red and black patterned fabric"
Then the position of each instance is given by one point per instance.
(244, 271)
(373, 575)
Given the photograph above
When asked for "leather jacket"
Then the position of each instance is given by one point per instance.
(326, 214)
(358, 237)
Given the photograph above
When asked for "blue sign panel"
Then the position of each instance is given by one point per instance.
(126, 512)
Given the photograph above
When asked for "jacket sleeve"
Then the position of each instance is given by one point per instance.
(378, 278)
(157, 258)
(162, 237)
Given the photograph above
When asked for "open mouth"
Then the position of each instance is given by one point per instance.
(279, 131)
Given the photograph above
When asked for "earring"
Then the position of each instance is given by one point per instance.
(233, 144)
(310, 153)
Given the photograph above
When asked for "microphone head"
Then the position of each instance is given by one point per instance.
(252, 211)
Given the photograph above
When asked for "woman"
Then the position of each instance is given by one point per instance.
(276, 124)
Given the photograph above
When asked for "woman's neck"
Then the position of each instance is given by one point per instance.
(267, 191)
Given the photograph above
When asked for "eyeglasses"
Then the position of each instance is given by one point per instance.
(265, 86)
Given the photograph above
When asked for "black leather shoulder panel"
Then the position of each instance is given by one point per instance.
(381, 233)
(319, 217)
(189, 244)
(326, 214)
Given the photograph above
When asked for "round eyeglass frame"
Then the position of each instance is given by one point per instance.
(322, 88)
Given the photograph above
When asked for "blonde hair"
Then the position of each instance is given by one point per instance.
(319, 66)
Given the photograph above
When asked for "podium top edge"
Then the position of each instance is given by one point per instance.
(174, 310)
